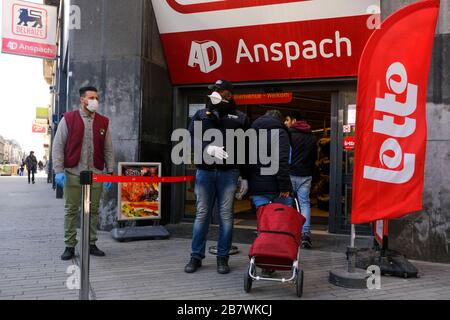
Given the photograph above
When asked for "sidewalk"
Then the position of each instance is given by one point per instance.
(31, 233)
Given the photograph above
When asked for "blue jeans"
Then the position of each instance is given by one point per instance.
(259, 201)
(209, 187)
(302, 187)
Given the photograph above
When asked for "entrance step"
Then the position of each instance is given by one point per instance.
(321, 240)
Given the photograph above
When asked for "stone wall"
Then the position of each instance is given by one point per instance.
(425, 235)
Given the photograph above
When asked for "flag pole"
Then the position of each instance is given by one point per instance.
(350, 278)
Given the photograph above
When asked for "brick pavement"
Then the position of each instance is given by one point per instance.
(31, 232)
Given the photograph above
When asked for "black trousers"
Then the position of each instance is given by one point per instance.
(30, 173)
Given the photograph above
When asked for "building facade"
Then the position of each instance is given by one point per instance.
(125, 59)
(2, 150)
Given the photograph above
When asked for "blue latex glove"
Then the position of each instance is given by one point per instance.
(107, 185)
(60, 179)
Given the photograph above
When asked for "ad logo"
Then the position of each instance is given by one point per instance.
(205, 54)
(29, 21)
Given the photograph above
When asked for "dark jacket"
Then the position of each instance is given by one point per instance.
(304, 150)
(280, 182)
(222, 117)
(31, 163)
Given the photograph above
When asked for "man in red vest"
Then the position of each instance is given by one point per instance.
(82, 143)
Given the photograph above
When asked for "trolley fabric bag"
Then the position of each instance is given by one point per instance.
(279, 236)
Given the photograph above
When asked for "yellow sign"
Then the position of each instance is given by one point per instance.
(42, 113)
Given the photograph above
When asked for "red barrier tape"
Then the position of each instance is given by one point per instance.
(137, 179)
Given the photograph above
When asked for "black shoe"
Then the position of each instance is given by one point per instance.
(193, 265)
(33, 182)
(306, 242)
(68, 254)
(222, 265)
(96, 251)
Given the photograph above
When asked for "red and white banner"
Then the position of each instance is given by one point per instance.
(206, 40)
(391, 128)
(39, 128)
(29, 29)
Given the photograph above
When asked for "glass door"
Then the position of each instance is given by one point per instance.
(195, 102)
(342, 162)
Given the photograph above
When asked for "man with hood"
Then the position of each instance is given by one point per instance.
(303, 158)
(271, 187)
(216, 182)
(276, 187)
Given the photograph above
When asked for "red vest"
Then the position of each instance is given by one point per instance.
(75, 128)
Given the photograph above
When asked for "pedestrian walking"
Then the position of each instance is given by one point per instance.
(216, 182)
(82, 143)
(31, 163)
(276, 187)
(22, 168)
(303, 159)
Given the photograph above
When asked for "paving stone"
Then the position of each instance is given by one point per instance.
(31, 233)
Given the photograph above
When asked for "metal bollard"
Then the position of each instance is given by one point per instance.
(86, 184)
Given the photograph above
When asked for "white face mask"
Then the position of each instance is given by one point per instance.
(215, 97)
(92, 105)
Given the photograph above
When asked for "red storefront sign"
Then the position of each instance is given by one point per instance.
(215, 5)
(263, 40)
(263, 98)
(39, 128)
(349, 143)
(391, 128)
(29, 29)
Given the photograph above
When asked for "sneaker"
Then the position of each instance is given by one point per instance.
(306, 242)
(96, 251)
(68, 254)
(222, 265)
(267, 273)
(193, 265)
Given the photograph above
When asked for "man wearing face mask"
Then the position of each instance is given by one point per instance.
(82, 143)
(217, 182)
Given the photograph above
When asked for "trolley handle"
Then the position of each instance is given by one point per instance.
(296, 204)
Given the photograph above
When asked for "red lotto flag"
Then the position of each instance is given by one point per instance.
(391, 128)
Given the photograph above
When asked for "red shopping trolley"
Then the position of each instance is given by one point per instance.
(277, 246)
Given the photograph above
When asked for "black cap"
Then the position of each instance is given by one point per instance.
(221, 85)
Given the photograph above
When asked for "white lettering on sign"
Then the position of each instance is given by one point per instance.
(292, 50)
(391, 153)
(349, 144)
(206, 54)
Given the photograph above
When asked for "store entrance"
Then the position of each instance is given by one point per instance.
(328, 110)
(315, 108)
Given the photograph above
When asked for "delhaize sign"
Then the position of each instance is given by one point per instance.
(29, 29)
(205, 40)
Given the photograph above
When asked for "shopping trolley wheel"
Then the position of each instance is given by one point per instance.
(248, 280)
(299, 283)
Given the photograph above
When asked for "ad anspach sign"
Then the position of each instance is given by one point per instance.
(205, 40)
